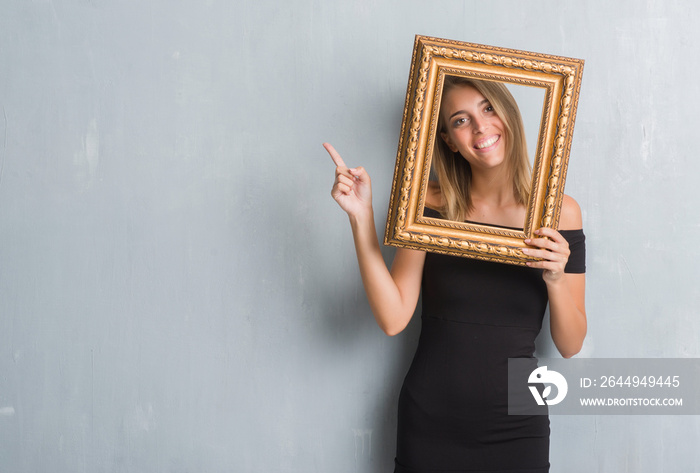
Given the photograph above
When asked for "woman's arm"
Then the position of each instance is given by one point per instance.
(566, 291)
(392, 295)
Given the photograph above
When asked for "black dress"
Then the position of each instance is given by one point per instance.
(453, 412)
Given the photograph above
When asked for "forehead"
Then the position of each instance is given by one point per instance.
(460, 97)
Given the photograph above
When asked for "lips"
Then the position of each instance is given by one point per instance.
(485, 143)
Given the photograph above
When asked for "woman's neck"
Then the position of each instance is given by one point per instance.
(493, 200)
(493, 186)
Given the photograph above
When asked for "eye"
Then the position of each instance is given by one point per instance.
(489, 108)
(460, 121)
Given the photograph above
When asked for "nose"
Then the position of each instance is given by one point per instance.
(478, 124)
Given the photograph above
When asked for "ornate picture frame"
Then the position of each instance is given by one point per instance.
(433, 58)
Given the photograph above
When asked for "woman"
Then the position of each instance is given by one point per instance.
(476, 314)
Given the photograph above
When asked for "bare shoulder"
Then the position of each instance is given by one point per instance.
(570, 215)
(433, 198)
(408, 267)
(409, 258)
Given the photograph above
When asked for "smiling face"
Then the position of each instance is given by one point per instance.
(472, 127)
(480, 132)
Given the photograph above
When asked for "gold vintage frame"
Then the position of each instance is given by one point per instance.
(432, 59)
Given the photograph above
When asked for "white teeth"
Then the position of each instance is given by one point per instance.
(487, 143)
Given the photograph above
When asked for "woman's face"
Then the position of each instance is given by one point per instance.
(473, 128)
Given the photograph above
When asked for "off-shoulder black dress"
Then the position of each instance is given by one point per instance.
(453, 413)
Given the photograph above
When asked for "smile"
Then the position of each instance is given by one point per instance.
(487, 142)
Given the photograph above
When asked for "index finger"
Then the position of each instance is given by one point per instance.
(551, 233)
(334, 155)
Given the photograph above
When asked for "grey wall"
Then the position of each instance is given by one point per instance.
(178, 291)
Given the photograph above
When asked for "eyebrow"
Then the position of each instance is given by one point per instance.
(464, 111)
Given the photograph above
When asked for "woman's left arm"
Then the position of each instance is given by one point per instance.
(566, 291)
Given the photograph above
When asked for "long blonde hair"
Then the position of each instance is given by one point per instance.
(453, 171)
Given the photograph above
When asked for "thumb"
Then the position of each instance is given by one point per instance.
(359, 173)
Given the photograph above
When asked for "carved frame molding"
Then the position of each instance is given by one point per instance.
(560, 77)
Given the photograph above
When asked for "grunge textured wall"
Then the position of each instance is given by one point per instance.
(179, 292)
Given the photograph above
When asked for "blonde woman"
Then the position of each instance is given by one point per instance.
(475, 314)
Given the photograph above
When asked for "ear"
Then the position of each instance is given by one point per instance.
(446, 138)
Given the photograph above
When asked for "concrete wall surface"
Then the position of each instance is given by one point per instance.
(178, 290)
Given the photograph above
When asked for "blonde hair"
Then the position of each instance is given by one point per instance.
(453, 171)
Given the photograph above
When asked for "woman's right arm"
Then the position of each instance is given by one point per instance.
(392, 295)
